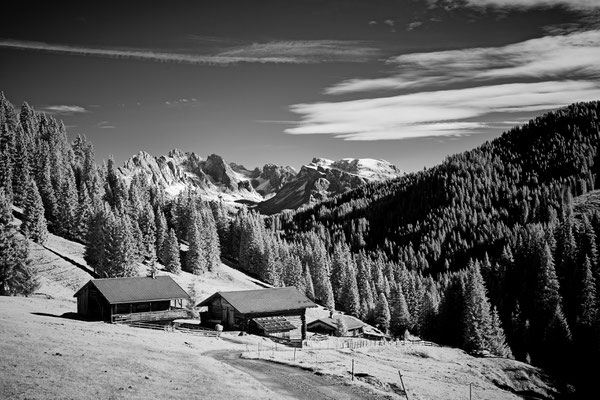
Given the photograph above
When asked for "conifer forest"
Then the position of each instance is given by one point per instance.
(495, 250)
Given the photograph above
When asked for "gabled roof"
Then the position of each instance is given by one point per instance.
(351, 322)
(264, 300)
(137, 289)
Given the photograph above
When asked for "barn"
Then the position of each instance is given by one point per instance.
(328, 326)
(131, 299)
(277, 312)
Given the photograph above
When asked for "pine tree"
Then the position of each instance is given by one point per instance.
(477, 318)
(382, 314)
(21, 169)
(588, 305)
(34, 223)
(308, 283)
(148, 233)
(195, 260)
(293, 273)
(350, 298)
(341, 329)
(119, 248)
(83, 213)
(97, 237)
(210, 238)
(399, 315)
(44, 183)
(496, 338)
(16, 274)
(161, 235)
(172, 260)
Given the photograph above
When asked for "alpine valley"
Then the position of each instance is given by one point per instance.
(493, 251)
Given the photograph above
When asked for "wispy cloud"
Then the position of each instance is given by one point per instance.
(576, 55)
(454, 92)
(290, 52)
(183, 102)
(105, 125)
(572, 4)
(436, 113)
(64, 109)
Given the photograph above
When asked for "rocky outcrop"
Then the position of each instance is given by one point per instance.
(272, 188)
(213, 177)
(323, 178)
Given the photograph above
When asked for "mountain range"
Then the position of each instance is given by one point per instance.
(271, 189)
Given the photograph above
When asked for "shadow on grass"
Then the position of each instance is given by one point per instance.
(67, 315)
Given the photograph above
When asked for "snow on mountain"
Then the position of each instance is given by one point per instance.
(213, 178)
(272, 188)
(322, 178)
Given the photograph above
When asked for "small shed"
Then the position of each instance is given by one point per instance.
(328, 326)
(132, 299)
(279, 312)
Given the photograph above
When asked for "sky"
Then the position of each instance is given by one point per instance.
(277, 81)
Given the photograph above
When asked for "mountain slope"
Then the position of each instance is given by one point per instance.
(323, 178)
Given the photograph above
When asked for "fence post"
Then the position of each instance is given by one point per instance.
(403, 387)
(353, 369)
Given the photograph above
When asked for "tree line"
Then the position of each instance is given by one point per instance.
(483, 252)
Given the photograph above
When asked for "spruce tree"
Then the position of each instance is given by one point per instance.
(16, 274)
(382, 314)
(588, 303)
(308, 283)
(210, 238)
(21, 169)
(496, 338)
(172, 260)
(477, 317)
(350, 298)
(399, 315)
(34, 223)
(119, 247)
(83, 213)
(292, 275)
(148, 232)
(161, 235)
(195, 260)
(96, 240)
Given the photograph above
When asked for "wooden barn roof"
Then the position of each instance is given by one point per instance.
(350, 321)
(137, 289)
(264, 300)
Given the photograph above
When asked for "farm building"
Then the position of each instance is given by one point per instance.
(279, 312)
(131, 299)
(328, 326)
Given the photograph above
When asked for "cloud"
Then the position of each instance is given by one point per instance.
(572, 4)
(64, 109)
(105, 125)
(187, 103)
(290, 52)
(413, 25)
(435, 113)
(576, 55)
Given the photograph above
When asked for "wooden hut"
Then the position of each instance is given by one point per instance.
(328, 326)
(279, 312)
(131, 299)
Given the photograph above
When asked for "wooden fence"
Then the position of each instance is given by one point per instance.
(150, 316)
(171, 328)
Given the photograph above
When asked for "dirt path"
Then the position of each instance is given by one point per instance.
(294, 383)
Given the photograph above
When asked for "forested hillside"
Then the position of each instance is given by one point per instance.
(483, 252)
(503, 210)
